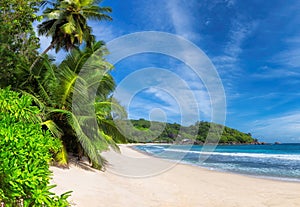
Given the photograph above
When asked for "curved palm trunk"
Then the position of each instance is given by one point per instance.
(43, 53)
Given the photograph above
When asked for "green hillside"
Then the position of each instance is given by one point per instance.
(146, 131)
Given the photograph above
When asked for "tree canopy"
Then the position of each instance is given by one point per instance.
(19, 44)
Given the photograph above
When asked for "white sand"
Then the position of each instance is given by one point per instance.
(180, 186)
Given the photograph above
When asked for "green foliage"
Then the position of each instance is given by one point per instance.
(25, 154)
(19, 44)
(66, 22)
(200, 132)
(53, 88)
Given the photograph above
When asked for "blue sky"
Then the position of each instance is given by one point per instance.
(254, 46)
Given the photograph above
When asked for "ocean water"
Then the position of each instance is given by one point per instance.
(280, 161)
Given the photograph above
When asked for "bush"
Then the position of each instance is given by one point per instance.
(25, 154)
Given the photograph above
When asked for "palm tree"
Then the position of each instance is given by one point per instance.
(53, 88)
(67, 23)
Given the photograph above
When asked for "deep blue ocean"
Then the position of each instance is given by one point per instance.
(280, 161)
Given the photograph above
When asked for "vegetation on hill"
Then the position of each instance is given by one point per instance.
(146, 131)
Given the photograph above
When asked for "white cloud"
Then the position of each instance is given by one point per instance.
(284, 128)
(237, 35)
(289, 58)
(175, 16)
(151, 15)
(270, 73)
(183, 79)
(229, 60)
(182, 20)
(148, 89)
(228, 63)
(104, 31)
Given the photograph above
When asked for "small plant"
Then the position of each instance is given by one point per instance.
(25, 153)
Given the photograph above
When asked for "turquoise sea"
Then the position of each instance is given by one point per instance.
(280, 161)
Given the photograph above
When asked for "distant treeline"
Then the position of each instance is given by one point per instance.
(146, 131)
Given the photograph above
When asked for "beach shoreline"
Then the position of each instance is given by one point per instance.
(180, 185)
(281, 179)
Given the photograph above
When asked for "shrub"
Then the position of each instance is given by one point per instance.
(25, 154)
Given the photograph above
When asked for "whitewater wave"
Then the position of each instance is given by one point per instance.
(240, 154)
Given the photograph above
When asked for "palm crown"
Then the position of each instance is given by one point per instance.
(66, 22)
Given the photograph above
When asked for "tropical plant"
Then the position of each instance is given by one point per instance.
(53, 88)
(25, 153)
(66, 23)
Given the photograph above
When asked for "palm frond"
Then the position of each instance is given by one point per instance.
(61, 158)
(106, 85)
(45, 3)
(109, 141)
(97, 13)
(92, 145)
(54, 129)
(109, 128)
(67, 80)
(44, 94)
(45, 27)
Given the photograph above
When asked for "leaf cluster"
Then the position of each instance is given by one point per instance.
(25, 153)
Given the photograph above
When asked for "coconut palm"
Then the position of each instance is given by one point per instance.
(66, 22)
(53, 88)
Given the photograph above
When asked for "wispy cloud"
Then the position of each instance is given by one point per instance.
(273, 73)
(104, 31)
(284, 128)
(174, 16)
(228, 63)
(289, 58)
(238, 34)
(182, 19)
(287, 62)
(151, 15)
(158, 88)
(234, 46)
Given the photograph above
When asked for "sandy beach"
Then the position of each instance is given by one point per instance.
(134, 179)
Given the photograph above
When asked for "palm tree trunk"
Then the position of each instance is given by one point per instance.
(43, 53)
